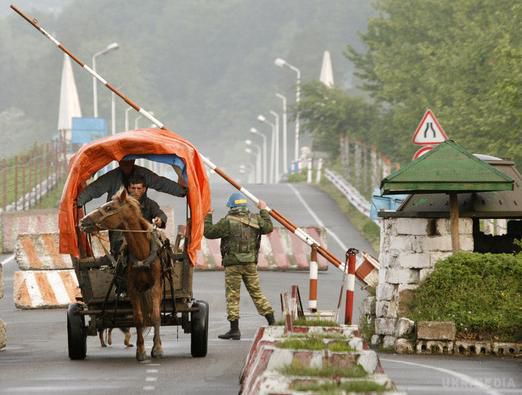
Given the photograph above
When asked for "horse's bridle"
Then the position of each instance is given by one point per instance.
(108, 213)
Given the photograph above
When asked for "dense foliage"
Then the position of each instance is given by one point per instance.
(481, 293)
(462, 59)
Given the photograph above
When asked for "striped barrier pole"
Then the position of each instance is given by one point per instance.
(300, 233)
(312, 296)
(350, 285)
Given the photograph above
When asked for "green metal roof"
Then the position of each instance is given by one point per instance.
(446, 168)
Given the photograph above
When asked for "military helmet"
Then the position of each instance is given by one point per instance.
(237, 199)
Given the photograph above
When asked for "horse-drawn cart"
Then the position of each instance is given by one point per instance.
(103, 279)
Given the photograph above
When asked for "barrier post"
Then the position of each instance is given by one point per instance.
(350, 285)
(319, 170)
(314, 269)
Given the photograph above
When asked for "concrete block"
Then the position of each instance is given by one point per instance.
(471, 347)
(385, 326)
(385, 291)
(508, 349)
(375, 340)
(391, 259)
(437, 243)
(404, 346)
(405, 326)
(424, 274)
(403, 243)
(436, 256)
(388, 342)
(369, 306)
(434, 347)
(465, 226)
(467, 243)
(388, 309)
(415, 261)
(356, 343)
(436, 330)
(368, 360)
(402, 276)
(411, 226)
(407, 287)
(3, 335)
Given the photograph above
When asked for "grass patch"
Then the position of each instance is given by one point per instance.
(302, 343)
(367, 328)
(297, 369)
(340, 346)
(298, 177)
(314, 322)
(334, 388)
(481, 293)
(363, 224)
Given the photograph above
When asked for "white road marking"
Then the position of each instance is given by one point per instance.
(151, 379)
(149, 388)
(152, 371)
(9, 258)
(460, 376)
(316, 218)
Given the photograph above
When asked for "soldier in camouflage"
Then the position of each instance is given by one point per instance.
(240, 232)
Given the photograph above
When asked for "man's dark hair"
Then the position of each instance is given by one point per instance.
(137, 179)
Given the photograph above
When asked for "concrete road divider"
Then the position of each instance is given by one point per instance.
(40, 252)
(37, 289)
(281, 250)
(28, 221)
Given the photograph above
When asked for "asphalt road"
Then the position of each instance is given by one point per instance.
(35, 360)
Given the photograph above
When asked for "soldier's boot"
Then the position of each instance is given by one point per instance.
(233, 333)
(270, 318)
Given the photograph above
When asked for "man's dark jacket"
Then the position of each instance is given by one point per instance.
(150, 210)
(112, 181)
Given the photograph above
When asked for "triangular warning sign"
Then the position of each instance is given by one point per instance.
(429, 131)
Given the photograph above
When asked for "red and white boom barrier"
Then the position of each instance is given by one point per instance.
(350, 285)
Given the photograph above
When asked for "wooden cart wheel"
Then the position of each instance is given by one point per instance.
(76, 332)
(199, 330)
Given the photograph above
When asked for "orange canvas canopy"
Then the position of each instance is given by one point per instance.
(96, 155)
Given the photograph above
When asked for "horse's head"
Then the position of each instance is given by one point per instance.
(115, 214)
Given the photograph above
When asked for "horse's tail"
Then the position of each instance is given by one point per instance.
(146, 306)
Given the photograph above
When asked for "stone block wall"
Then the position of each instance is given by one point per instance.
(410, 248)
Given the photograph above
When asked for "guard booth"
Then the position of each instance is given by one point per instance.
(453, 194)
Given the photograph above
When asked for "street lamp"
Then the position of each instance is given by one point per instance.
(265, 158)
(258, 158)
(127, 118)
(285, 142)
(109, 48)
(261, 118)
(257, 169)
(283, 63)
(276, 116)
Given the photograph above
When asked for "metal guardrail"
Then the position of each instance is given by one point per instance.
(349, 191)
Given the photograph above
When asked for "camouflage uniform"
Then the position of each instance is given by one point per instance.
(240, 232)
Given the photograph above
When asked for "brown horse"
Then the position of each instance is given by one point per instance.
(144, 279)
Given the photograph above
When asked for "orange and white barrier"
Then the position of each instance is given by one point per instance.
(312, 295)
(350, 285)
(37, 289)
(280, 250)
(40, 252)
(28, 221)
(367, 270)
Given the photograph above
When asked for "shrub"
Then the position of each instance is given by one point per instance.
(481, 293)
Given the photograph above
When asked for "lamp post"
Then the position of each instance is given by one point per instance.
(285, 140)
(127, 118)
(261, 118)
(257, 169)
(109, 48)
(265, 158)
(277, 172)
(283, 63)
(258, 159)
